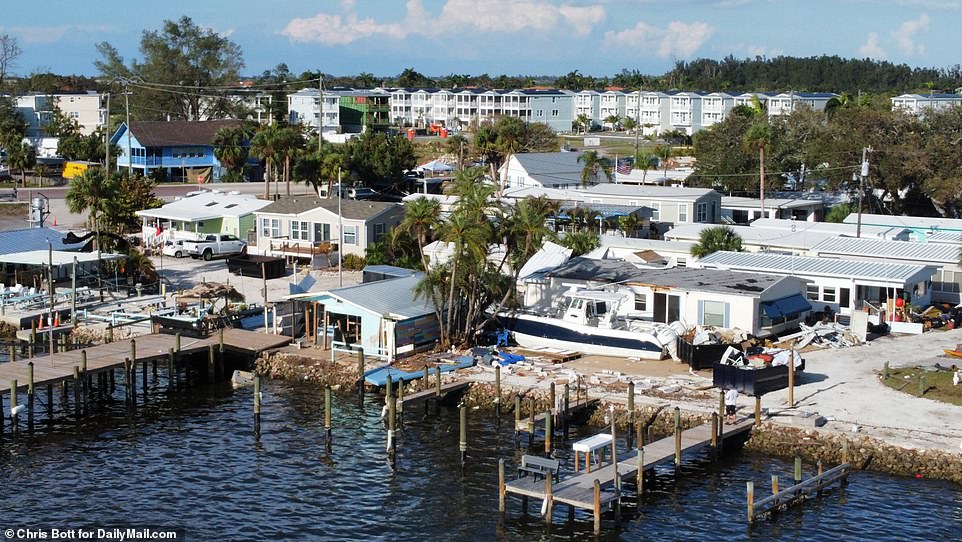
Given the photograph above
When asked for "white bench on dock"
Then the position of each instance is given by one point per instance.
(589, 446)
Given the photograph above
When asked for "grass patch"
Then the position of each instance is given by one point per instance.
(925, 382)
(13, 208)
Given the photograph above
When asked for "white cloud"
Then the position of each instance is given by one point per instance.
(491, 16)
(677, 40)
(871, 48)
(905, 35)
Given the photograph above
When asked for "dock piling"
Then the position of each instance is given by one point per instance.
(463, 434)
(517, 420)
(210, 364)
(327, 415)
(774, 484)
(13, 353)
(76, 392)
(677, 438)
(360, 370)
(758, 411)
(631, 411)
(30, 398)
(548, 499)
(714, 433)
(257, 402)
(531, 422)
(171, 372)
(798, 469)
(750, 490)
(552, 400)
(641, 471)
(501, 484)
(14, 416)
(547, 433)
(567, 405)
(497, 391)
(597, 506)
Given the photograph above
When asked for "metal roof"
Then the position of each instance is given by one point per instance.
(30, 239)
(350, 209)
(737, 202)
(766, 262)
(606, 210)
(757, 237)
(207, 205)
(615, 241)
(914, 222)
(551, 168)
(889, 250)
(947, 237)
(392, 297)
(880, 232)
(646, 191)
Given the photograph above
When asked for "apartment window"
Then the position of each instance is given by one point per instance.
(844, 297)
(350, 235)
(641, 302)
(270, 227)
(656, 210)
(713, 313)
(948, 281)
(828, 294)
(683, 212)
(322, 232)
(539, 112)
(300, 230)
(681, 262)
(379, 231)
(554, 112)
(811, 292)
(701, 212)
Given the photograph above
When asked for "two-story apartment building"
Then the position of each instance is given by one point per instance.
(306, 106)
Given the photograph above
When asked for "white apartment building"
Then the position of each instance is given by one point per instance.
(424, 106)
(304, 107)
(84, 108)
(588, 102)
(612, 104)
(918, 104)
(715, 107)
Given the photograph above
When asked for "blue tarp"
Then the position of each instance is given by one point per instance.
(378, 377)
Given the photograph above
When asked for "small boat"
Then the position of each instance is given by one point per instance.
(954, 353)
(590, 324)
(242, 379)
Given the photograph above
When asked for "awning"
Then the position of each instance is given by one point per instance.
(771, 309)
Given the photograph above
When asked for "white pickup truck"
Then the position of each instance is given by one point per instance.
(214, 245)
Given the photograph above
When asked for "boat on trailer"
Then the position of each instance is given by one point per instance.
(590, 323)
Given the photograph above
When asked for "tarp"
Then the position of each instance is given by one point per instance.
(378, 377)
(435, 166)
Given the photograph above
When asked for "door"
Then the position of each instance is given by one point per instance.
(667, 308)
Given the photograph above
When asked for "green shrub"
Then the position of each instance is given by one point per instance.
(353, 262)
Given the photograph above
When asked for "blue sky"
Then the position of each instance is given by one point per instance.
(531, 37)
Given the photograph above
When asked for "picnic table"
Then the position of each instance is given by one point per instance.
(589, 446)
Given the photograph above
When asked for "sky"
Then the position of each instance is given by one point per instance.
(513, 37)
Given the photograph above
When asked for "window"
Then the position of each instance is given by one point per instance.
(554, 112)
(947, 281)
(270, 227)
(681, 262)
(683, 212)
(713, 313)
(701, 212)
(322, 232)
(641, 302)
(811, 291)
(828, 294)
(844, 297)
(299, 230)
(350, 235)
(379, 230)
(656, 210)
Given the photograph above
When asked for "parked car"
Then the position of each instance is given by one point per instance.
(175, 248)
(215, 245)
(360, 192)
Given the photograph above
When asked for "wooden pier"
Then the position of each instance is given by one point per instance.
(797, 493)
(601, 487)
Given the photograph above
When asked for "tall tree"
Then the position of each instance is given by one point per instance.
(10, 51)
(180, 62)
(22, 157)
(594, 165)
(231, 148)
(265, 145)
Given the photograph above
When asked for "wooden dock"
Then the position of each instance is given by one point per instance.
(796, 493)
(531, 424)
(431, 394)
(59, 367)
(595, 490)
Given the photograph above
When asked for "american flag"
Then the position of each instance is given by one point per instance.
(624, 165)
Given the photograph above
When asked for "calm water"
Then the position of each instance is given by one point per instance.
(193, 462)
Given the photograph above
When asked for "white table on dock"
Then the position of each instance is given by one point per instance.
(591, 445)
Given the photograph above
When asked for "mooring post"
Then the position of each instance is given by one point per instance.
(548, 498)
(30, 400)
(463, 434)
(257, 403)
(750, 490)
(426, 383)
(791, 377)
(774, 484)
(531, 421)
(501, 485)
(220, 351)
(714, 433)
(564, 421)
(631, 412)
(360, 370)
(677, 438)
(210, 364)
(597, 506)
(798, 469)
(547, 433)
(552, 401)
(437, 382)
(14, 416)
(641, 471)
(85, 389)
(171, 372)
(128, 396)
(327, 414)
(176, 342)
(517, 420)
(400, 402)
(33, 332)
(818, 465)
(639, 437)
(13, 353)
(76, 392)
(497, 391)
(758, 411)
(844, 450)
(391, 424)
(133, 350)
(49, 403)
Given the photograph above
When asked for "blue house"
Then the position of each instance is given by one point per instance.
(184, 150)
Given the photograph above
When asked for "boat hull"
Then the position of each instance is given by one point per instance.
(535, 331)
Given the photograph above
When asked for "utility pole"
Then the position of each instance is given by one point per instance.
(637, 123)
(130, 158)
(861, 189)
(107, 138)
(340, 233)
(320, 111)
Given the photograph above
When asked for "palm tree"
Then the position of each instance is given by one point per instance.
(714, 239)
(628, 224)
(231, 148)
(291, 141)
(583, 121)
(593, 165)
(757, 138)
(663, 153)
(629, 124)
(266, 145)
(470, 239)
(23, 157)
(581, 241)
(646, 162)
(422, 217)
(833, 105)
(612, 120)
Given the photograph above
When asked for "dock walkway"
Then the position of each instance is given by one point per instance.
(578, 490)
(58, 367)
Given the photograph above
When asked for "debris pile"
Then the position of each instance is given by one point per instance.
(823, 335)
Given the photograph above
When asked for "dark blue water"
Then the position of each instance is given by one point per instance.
(192, 461)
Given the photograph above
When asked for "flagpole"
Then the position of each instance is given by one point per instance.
(616, 168)
(340, 233)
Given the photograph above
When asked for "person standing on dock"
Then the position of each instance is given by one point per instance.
(731, 397)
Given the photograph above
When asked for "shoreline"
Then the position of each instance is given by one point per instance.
(653, 409)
